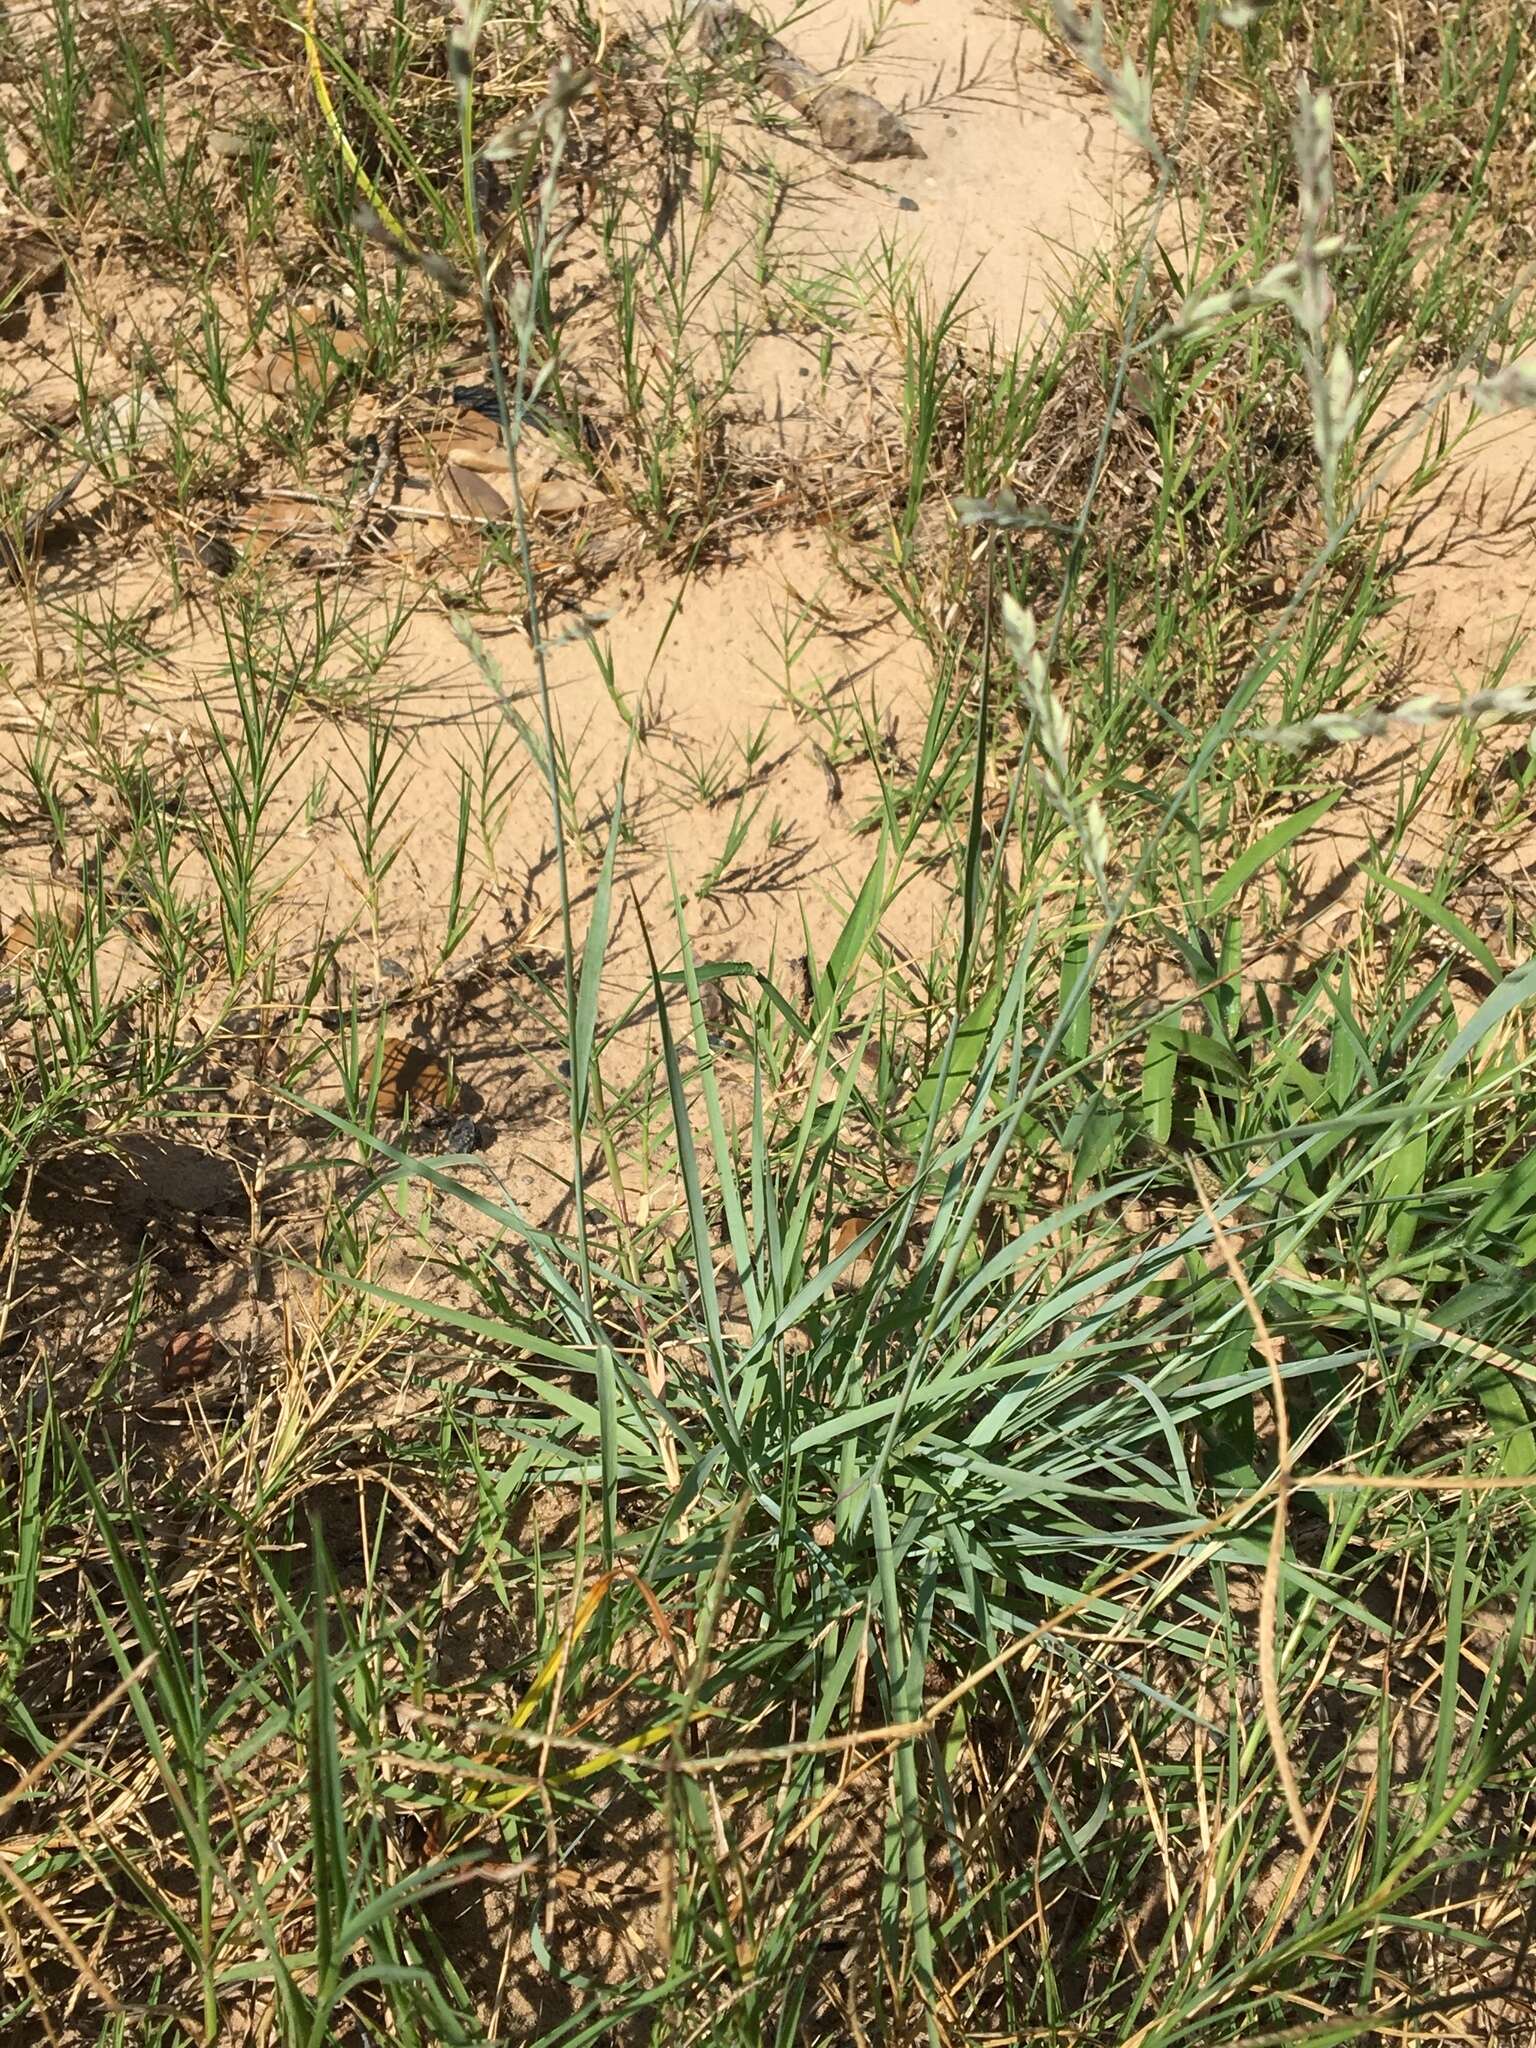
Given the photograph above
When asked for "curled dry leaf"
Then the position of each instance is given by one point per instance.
(410, 1075)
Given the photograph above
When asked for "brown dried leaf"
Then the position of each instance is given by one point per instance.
(464, 493)
(313, 359)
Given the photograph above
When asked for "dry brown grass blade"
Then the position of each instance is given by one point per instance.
(40, 2003)
(43, 1913)
(67, 1741)
(1268, 1348)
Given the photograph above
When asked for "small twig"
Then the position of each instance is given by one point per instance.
(418, 512)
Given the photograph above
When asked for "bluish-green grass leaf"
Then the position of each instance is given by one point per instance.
(831, 986)
(1439, 915)
(589, 988)
(1517, 988)
(1263, 851)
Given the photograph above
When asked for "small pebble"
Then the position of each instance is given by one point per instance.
(905, 205)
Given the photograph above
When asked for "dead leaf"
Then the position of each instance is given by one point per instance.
(311, 359)
(410, 1074)
(464, 493)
